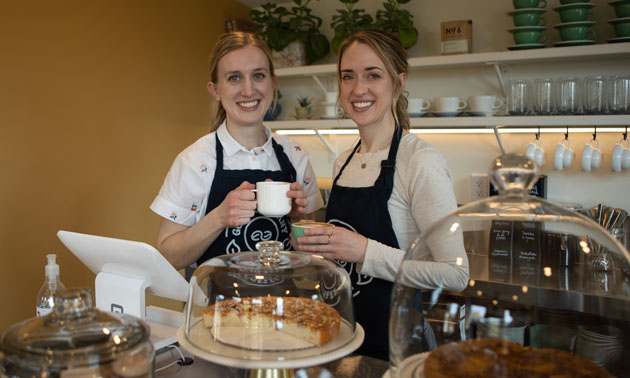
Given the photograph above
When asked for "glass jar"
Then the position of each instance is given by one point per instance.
(76, 340)
(520, 292)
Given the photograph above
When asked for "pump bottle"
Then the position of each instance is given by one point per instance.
(52, 284)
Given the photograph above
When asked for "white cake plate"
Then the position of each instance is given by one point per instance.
(202, 344)
(411, 367)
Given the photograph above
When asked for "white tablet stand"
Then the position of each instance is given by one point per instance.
(125, 270)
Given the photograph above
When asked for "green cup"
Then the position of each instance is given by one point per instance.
(622, 8)
(577, 31)
(298, 228)
(528, 17)
(528, 35)
(576, 14)
(622, 27)
(520, 4)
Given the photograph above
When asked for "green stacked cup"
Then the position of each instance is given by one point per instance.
(621, 24)
(529, 24)
(577, 19)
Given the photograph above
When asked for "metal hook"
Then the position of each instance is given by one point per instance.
(538, 133)
(566, 136)
(625, 134)
(595, 133)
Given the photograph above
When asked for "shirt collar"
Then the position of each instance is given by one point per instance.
(232, 146)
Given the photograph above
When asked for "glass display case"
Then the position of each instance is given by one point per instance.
(270, 309)
(548, 291)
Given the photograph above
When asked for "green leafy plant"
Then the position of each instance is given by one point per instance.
(349, 21)
(304, 101)
(394, 20)
(280, 26)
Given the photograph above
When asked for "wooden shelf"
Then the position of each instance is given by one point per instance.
(470, 122)
(549, 54)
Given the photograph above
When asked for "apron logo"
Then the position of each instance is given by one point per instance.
(361, 279)
(173, 215)
(204, 169)
(193, 207)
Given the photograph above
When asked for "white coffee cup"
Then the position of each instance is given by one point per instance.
(625, 157)
(417, 105)
(587, 155)
(558, 157)
(449, 104)
(484, 104)
(535, 152)
(331, 97)
(617, 155)
(567, 159)
(596, 158)
(272, 199)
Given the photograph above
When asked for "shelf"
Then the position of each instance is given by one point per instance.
(550, 54)
(470, 122)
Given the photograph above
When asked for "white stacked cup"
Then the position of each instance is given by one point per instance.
(535, 152)
(449, 106)
(417, 107)
(563, 157)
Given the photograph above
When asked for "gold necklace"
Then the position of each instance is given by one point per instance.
(364, 163)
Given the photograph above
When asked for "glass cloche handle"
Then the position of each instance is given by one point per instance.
(512, 173)
(269, 252)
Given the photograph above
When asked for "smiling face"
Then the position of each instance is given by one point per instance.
(366, 89)
(244, 85)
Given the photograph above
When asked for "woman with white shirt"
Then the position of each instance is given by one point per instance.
(206, 202)
(386, 190)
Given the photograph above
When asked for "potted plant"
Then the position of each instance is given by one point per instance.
(280, 27)
(305, 110)
(391, 19)
(394, 20)
(349, 21)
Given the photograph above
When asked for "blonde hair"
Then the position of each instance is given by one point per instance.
(227, 43)
(389, 49)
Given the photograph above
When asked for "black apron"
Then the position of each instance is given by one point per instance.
(364, 210)
(259, 228)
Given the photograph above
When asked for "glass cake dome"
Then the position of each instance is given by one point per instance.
(540, 275)
(270, 309)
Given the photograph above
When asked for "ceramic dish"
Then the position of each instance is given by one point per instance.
(575, 23)
(447, 114)
(415, 115)
(527, 46)
(619, 39)
(573, 5)
(574, 43)
(480, 114)
(330, 117)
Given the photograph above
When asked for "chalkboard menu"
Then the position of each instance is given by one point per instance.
(500, 253)
(515, 252)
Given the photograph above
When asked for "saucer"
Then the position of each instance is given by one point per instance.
(489, 113)
(573, 5)
(415, 115)
(574, 23)
(526, 10)
(619, 39)
(527, 46)
(329, 117)
(527, 28)
(574, 43)
(447, 114)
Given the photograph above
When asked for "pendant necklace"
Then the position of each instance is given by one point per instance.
(364, 163)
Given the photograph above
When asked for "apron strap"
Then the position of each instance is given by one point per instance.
(283, 159)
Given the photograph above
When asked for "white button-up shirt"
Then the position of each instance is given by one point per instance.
(183, 197)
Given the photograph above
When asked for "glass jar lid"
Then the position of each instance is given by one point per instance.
(75, 333)
(270, 308)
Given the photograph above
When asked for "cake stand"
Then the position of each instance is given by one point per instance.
(202, 344)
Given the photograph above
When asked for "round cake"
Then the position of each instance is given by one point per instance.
(501, 358)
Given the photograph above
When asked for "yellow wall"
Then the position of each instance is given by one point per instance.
(96, 99)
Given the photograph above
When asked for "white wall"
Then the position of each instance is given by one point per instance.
(466, 154)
